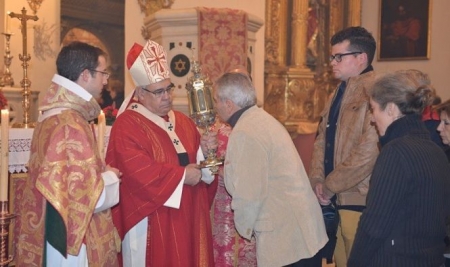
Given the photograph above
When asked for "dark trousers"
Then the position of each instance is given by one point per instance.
(315, 261)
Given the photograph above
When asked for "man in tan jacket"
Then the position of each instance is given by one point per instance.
(346, 146)
(271, 195)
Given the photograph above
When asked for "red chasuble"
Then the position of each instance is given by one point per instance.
(65, 172)
(146, 156)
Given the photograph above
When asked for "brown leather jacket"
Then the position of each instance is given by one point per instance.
(355, 145)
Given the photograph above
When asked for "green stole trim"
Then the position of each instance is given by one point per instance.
(55, 230)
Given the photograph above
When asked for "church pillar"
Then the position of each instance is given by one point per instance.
(289, 83)
(299, 33)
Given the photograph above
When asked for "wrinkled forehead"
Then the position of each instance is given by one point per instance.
(159, 85)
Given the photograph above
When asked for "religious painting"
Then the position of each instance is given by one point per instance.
(404, 30)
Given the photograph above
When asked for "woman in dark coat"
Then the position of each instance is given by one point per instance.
(404, 220)
(444, 130)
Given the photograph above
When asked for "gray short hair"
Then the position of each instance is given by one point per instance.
(237, 87)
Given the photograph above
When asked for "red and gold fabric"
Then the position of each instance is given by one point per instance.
(65, 172)
(230, 249)
(222, 40)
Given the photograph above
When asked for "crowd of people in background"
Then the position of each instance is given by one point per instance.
(380, 165)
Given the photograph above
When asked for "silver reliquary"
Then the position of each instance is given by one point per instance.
(201, 110)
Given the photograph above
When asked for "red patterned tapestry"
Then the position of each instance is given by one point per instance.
(222, 40)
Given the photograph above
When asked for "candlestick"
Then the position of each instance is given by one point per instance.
(5, 221)
(101, 126)
(8, 18)
(24, 57)
(7, 79)
(4, 155)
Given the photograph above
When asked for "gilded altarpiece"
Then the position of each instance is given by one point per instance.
(297, 76)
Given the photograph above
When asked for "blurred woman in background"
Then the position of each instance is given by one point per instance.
(444, 130)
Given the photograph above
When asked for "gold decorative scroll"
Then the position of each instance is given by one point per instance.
(151, 6)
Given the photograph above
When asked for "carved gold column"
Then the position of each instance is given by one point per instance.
(336, 16)
(289, 86)
(354, 13)
(275, 78)
(300, 78)
(275, 31)
(299, 33)
(344, 14)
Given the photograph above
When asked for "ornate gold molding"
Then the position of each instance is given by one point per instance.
(275, 52)
(151, 6)
(294, 93)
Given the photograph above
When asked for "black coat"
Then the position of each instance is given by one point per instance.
(404, 220)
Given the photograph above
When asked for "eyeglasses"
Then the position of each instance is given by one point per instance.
(159, 92)
(104, 73)
(338, 57)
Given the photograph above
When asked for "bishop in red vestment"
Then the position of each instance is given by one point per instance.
(163, 214)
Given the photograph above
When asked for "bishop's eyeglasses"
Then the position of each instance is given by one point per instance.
(338, 57)
(159, 92)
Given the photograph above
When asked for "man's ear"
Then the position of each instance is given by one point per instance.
(83, 79)
(363, 57)
(85, 75)
(228, 104)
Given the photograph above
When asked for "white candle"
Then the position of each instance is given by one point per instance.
(101, 133)
(8, 18)
(4, 155)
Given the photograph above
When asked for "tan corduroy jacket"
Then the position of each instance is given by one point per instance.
(272, 198)
(355, 145)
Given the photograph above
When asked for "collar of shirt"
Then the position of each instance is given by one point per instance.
(235, 117)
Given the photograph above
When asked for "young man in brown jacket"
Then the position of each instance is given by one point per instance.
(346, 146)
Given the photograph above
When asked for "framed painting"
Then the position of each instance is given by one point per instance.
(404, 30)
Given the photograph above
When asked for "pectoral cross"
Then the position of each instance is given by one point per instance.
(25, 57)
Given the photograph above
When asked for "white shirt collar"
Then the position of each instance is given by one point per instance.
(72, 86)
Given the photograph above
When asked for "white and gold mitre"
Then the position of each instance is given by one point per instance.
(147, 64)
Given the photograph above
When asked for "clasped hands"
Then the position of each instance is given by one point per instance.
(323, 194)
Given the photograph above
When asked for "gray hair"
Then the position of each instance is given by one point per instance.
(420, 77)
(404, 90)
(236, 87)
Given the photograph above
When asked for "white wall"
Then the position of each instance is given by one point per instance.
(438, 65)
(134, 21)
